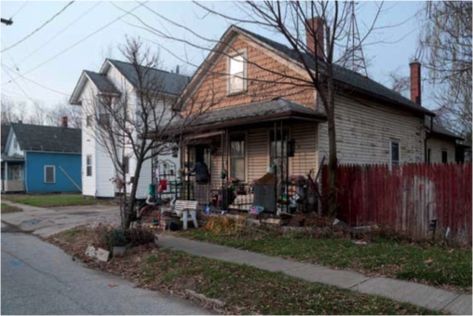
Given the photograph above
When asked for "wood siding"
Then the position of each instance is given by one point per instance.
(364, 130)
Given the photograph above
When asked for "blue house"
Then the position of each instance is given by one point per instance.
(42, 159)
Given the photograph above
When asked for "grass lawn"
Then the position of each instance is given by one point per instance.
(50, 200)
(242, 289)
(426, 263)
(9, 209)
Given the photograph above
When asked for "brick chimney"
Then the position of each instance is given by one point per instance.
(415, 82)
(64, 121)
(314, 32)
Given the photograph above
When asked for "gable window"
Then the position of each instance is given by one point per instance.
(88, 165)
(444, 156)
(237, 156)
(49, 174)
(104, 119)
(237, 72)
(394, 153)
(429, 153)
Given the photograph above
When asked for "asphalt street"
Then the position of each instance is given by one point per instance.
(39, 278)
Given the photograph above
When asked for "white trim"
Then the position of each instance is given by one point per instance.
(44, 174)
(241, 52)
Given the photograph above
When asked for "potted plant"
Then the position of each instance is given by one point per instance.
(117, 242)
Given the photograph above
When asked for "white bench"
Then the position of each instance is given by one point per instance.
(184, 208)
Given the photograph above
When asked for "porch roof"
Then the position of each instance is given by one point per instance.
(276, 109)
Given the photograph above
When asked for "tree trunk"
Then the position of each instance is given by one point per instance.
(130, 210)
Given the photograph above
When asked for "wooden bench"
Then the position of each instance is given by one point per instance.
(184, 208)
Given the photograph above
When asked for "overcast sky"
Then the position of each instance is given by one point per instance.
(46, 66)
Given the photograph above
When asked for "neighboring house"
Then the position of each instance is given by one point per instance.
(41, 159)
(113, 80)
(263, 121)
(5, 130)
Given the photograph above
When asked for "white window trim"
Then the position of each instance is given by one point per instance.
(245, 72)
(54, 174)
(391, 141)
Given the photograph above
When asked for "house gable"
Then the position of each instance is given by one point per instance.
(209, 87)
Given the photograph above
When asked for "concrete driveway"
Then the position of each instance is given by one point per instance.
(39, 278)
(45, 222)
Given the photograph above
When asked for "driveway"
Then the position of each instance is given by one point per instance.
(45, 222)
(39, 278)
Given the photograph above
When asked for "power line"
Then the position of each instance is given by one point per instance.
(38, 28)
(36, 83)
(61, 31)
(83, 39)
(19, 10)
(19, 86)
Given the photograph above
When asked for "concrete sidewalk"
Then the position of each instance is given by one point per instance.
(402, 291)
(45, 222)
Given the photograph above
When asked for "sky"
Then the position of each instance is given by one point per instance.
(45, 67)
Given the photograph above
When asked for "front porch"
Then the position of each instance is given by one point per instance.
(13, 174)
(255, 163)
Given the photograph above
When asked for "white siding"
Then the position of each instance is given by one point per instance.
(436, 147)
(364, 130)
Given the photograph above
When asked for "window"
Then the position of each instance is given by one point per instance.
(444, 156)
(49, 174)
(237, 71)
(104, 119)
(429, 153)
(394, 153)
(88, 120)
(237, 156)
(88, 165)
(126, 164)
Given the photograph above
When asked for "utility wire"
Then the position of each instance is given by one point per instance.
(38, 28)
(82, 39)
(19, 9)
(19, 86)
(46, 43)
(35, 82)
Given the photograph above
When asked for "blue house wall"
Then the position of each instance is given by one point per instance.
(69, 164)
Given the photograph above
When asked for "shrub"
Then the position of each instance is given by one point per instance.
(139, 236)
(116, 238)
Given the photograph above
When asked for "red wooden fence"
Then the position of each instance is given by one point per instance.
(407, 198)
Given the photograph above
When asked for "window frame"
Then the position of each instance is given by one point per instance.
(391, 142)
(45, 178)
(87, 166)
(244, 88)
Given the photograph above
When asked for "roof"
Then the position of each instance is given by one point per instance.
(348, 79)
(47, 138)
(5, 130)
(253, 113)
(438, 129)
(102, 83)
(169, 83)
(344, 75)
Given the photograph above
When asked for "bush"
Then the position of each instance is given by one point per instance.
(116, 238)
(139, 236)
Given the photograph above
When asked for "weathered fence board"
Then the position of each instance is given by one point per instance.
(407, 198)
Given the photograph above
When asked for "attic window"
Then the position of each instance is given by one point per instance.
(237, 73)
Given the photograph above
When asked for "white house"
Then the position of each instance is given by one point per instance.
(114, 79)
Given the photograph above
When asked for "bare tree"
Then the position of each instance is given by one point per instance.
(55, 115)
(445, 45)
(139, 124)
